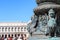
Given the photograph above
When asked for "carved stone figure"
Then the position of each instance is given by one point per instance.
(33, 24)
(51, 22)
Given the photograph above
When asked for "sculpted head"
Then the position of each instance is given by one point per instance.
(51, 13)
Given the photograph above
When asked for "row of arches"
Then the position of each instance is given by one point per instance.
(13, 29)
(11, 35)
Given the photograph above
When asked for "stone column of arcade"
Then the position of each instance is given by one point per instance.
(43, 7)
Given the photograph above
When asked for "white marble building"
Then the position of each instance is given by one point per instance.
(13, 28)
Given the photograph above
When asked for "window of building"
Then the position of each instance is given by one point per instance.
(24, 28)
(12, 28)
(18, 29)
(15, 29)
(5, 28)
(21, 28)
(9, 29)
(2, 29)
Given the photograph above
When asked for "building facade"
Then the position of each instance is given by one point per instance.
(12, 29)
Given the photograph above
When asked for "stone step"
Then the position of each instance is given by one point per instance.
(42, 36)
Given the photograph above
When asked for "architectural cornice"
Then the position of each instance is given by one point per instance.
(13, 24)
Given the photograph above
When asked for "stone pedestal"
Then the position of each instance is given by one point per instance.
(42, 17)
(35, 38)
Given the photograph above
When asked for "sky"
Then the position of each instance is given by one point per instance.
(16, 10)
